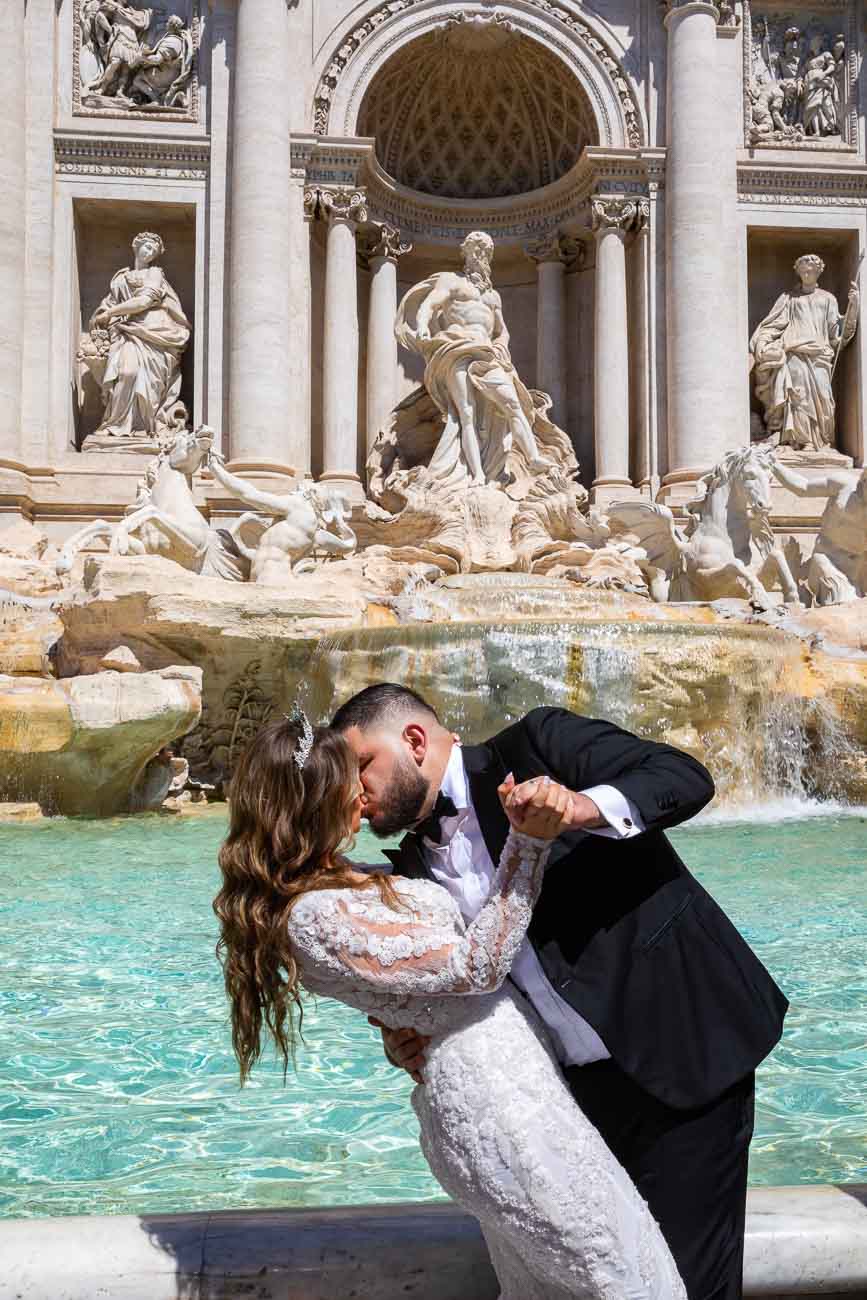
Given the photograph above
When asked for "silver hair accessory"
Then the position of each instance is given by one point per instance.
(305, 742)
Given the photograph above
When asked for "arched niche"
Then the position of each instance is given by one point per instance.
(557, 37)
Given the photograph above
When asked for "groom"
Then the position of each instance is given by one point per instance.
(657, 1009)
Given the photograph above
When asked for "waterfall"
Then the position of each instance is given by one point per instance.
(738, 697)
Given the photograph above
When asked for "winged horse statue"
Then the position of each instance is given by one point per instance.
(727, 547)
(164, 518)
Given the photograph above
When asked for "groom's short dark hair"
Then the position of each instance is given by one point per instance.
(376, 704)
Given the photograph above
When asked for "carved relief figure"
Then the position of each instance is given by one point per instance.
(455, 321)
(133, 73)
(795, 349)
(165, 69)
(137, 338)
(116, 33)
(798, 84)
(819, 93)
(837, 569)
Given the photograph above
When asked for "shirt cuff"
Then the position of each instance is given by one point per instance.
(624, 819)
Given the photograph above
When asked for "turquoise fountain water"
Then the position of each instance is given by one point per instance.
(117, 1085)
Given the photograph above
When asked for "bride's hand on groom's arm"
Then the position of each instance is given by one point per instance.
(543, 808)
(549, 806)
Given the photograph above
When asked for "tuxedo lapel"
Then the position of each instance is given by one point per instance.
(485, 772)
(407, 859)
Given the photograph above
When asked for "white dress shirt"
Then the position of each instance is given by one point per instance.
(463, 866)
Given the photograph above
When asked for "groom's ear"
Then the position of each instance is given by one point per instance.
(415, 736)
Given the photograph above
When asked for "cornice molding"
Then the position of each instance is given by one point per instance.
(97, 155)
(788, 186)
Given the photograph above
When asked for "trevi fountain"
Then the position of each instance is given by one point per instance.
(512, 351)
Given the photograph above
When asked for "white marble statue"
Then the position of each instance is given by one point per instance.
(728, 547)
(137, 338)
(836, 572)
(132, 73)
(455, 321)
(290, 527)
(795, 350)
(164, 518)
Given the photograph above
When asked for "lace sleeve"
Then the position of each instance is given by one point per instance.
(358, 939)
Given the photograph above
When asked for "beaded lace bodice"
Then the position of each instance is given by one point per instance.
(396, 964)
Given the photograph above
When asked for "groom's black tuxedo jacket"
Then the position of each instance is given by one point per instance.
(623, 932)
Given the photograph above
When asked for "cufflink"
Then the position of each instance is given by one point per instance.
(627, 821)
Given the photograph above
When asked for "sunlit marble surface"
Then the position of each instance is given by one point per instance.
(801, 1241)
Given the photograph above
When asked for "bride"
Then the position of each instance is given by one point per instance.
(499, 1127)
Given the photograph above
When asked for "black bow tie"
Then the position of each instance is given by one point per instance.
(431, 827)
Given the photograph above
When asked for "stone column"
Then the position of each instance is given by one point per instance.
(382, 251)
(343, 209)
(646, 476)
(12, 223)
(550, 255)
(260, 306)
(38, 359)
(611, 220)
(701, 193)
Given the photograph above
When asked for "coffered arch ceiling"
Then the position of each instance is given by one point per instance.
(476, 110)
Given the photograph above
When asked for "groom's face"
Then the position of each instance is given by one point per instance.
(389, 765)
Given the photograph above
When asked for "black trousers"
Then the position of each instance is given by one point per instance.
(689, 1165)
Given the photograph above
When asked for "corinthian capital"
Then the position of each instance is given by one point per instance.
(553, 247)
(613, 214)
(342, 203)
(384, 241)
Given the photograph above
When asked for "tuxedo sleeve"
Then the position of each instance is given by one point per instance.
(666, 785)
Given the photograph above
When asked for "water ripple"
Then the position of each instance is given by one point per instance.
(118, 1091)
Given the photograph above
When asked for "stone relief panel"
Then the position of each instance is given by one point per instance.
(800, 75)
(136, 61)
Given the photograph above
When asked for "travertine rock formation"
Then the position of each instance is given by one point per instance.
(79, 746)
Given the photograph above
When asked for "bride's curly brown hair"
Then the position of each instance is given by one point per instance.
(287, 827)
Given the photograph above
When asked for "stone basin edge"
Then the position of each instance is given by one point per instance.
(801, 1241)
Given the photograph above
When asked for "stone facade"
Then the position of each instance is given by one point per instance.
(650, 173)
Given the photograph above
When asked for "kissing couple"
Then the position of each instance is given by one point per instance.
(582, 1020)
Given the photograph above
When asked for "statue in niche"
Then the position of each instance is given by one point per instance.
(455, 321)
(836, 572)
(132, 73)
(795, 350)
(799, 88)
(137, 338)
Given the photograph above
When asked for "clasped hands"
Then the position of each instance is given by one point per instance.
(540, 807)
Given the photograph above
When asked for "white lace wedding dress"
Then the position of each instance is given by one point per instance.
(499, 1127)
